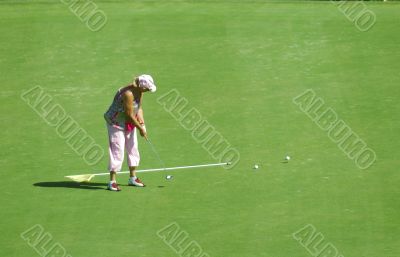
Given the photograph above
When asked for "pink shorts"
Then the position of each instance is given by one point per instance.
(120, 140)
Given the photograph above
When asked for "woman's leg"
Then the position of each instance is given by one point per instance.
(116, 150)
(132, 149)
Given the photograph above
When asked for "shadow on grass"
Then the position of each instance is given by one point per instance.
(70, 184)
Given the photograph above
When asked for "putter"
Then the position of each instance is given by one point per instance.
(155, 152)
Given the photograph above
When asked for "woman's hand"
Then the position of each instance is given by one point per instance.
(142, 131)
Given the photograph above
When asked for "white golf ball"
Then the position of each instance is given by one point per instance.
(287, 157)
(168, 177)
(255, 166)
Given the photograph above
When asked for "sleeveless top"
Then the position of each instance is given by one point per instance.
(115, 115)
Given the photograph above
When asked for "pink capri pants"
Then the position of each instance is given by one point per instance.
(120, 140)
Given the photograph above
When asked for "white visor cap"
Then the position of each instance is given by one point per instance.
(146, 81)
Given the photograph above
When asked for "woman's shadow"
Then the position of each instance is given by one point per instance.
(71, 184)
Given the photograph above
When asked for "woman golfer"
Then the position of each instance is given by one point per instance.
(124, 120)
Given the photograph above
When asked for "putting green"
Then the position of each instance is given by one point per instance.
(239, 64)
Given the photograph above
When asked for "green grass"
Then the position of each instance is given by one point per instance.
(240, 65)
